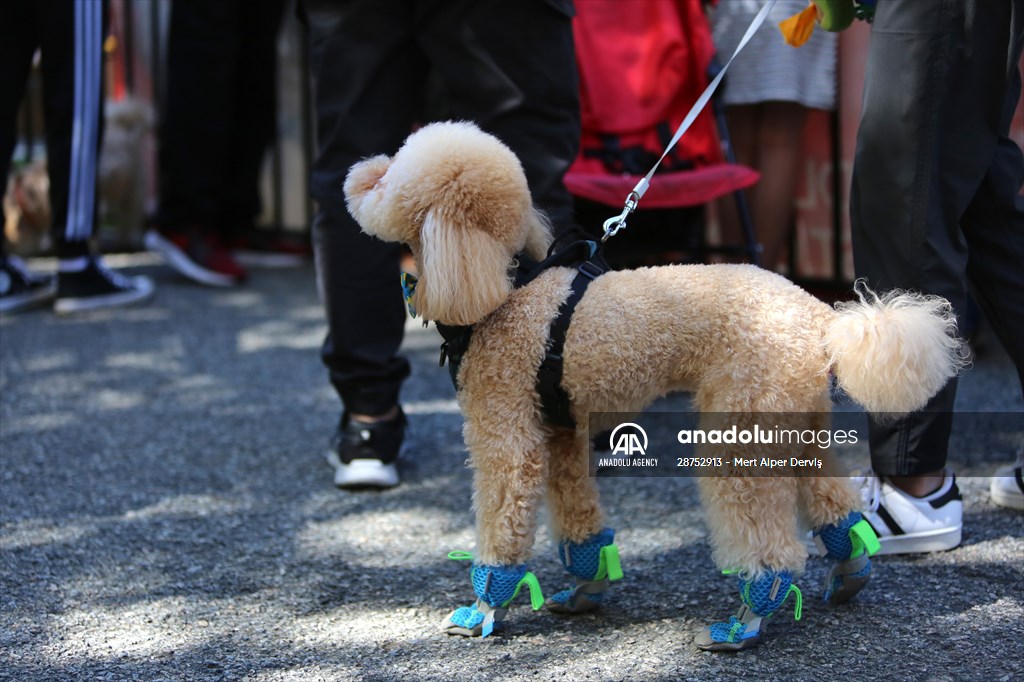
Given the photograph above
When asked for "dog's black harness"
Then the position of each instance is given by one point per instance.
(585, 257)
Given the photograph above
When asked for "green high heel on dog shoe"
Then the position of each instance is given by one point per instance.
(850, 543)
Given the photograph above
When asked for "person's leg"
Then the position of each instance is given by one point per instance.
(780, 128)
(510, 67)
(255, 121)
(72, 50)
(200, 116)
(768, 137)
(73, 107)
(929, 128)
(994, 228)
(19, 37)
(919, 160)
(367, 76)
(742, 120)
(199, 112)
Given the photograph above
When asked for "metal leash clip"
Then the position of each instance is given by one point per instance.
(613, 225)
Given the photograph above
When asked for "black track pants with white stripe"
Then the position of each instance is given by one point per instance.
(70, 36)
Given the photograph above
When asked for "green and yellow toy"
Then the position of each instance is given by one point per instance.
(831, 15)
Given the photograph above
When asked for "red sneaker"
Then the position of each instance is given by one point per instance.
(201, 258)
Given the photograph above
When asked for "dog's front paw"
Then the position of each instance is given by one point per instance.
(761, 598)
(478, 620)
(496, 587)
(741, 631)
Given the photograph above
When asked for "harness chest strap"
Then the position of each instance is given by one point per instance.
(555, 405)
(553, 397)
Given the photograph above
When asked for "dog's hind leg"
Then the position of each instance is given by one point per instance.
(510, 459)
(752, 520)
(751, 504)
(841, 533)
(826, 495)
(585, 546)
(751, 513)
(753, 524)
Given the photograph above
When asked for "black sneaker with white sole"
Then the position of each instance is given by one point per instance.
(364, 454)
(21, 289)
(95, 287)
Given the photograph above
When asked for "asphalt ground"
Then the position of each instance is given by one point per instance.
(166, 513)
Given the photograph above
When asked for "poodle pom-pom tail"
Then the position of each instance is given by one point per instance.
(892, 353)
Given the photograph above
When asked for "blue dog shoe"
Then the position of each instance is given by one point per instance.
(594, 563)
(740, 632)
(761, 599)
(850, 543)
(478, 620)
(495, 587)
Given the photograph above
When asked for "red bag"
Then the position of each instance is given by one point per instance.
(642, 65)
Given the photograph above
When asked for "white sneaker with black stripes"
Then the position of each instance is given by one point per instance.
(912, 525)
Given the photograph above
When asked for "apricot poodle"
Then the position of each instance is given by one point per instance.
(742, 340)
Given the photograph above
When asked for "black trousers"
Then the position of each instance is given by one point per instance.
(934, 201)
(220, 112)
(70, 36)
(509, 66)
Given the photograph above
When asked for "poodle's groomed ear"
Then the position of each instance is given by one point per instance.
(463, 271)
(364, 197)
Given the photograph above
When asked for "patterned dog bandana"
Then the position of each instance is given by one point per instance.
(408, 289)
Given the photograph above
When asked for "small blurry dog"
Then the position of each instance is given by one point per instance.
(122, 174)
(27, 209)
(122, 183)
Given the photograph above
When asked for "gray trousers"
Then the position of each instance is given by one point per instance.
(935, 200)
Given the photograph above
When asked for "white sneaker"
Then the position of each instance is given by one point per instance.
(910, 525)
(1007, 487)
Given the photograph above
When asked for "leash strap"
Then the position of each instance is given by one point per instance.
(613, 225)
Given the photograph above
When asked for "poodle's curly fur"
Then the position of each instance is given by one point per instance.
(743, 340)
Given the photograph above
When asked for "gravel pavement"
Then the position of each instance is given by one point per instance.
(167, 514)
